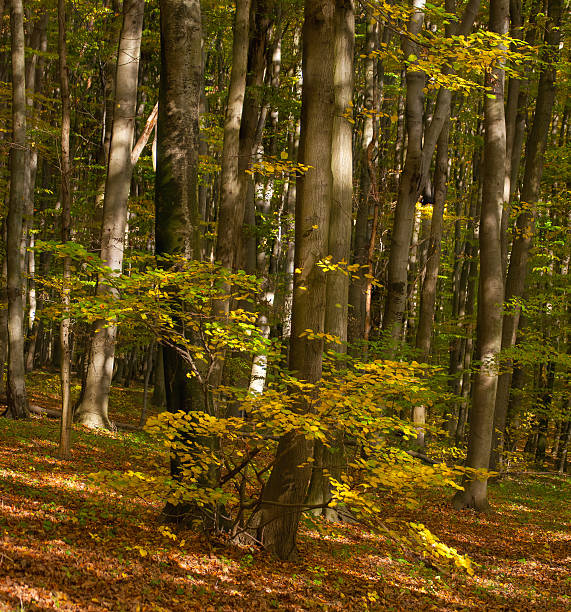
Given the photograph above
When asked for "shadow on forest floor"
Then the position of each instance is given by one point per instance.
(67, 544)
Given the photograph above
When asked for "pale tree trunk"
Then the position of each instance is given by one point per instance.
(285, 492)
(428, 293)
(358, 286)
(253, 115)
(259, 369)
(177, 213)
(328, 461)
(409, 186)
(491, 289)
(93, 409)
(65, 194)
(34, 80)
(232, 206)
(108, 73)
(512, 125)
(523, 234)
(16, 385)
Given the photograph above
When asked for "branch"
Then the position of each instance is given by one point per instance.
(144, 137)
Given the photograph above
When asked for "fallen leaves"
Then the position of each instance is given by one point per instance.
(67, 544)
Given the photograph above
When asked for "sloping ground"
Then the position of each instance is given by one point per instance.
(66, 544)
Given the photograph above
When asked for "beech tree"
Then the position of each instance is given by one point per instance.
(491, 290)
(16, 384)
(288, 482)
(349, 234)
(93, 408)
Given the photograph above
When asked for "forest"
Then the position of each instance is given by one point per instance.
(284, 305)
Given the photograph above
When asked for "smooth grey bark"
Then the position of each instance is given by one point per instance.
(93, 408)
(34, 80)
(524, 230)
(358, 286)
(491, 287)
(16, 383)
(409, 185)
(232, 206)
(328, 461)
(428, 292)
(65, 198)
(285, 492)
(512, 126)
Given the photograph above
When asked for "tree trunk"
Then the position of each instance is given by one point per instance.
(16, 384)
(285, 492)
(428, 295)
(65, 194)
(358, 287)
(523, 235)
(409, 187)
(420, 148)
(93, 409)
(232, 207)
(337, 292)
(177, 214)
(491, 289)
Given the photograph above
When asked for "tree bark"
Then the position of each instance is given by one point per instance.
(232, 207)
(65, 195)
(409, 186)
(337, 292)
(523, 235)
(16, 384)
(420, 148)
(177, 214)
(358, 287)
(93, 409)
(428, 294)
(285, 492)
(491, 288)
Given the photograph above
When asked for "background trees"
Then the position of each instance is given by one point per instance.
(295, 143)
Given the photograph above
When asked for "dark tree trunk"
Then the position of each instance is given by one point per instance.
(285, 492)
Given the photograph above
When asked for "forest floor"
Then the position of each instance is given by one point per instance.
(67, 543)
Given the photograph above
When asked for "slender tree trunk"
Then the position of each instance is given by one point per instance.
(491, 289)
(285, 492)
(93, 409)
(148, 367)
(16, 385)
(420, 148)
(523, 235)
(409, 186)
(428, 294)
(34, 81)
(232, 207)
(65, 195)
(358, 287)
